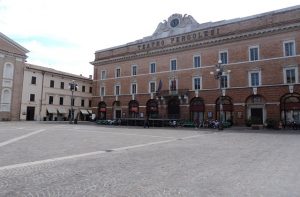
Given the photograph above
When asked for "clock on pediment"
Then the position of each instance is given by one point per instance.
(174, 22)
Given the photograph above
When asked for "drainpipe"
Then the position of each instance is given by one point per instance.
(42, 92)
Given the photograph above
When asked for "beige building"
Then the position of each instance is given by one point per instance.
(47, 95)
(12, 61)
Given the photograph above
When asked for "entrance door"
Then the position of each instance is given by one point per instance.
(257, 115)
(30, 113)
(118, 114)
(174, 109)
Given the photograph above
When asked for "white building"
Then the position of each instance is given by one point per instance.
(47, 95)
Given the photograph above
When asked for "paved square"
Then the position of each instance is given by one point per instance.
(38, 159)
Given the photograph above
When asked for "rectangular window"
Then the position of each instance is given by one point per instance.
(51, 83)
(33, 80)
(117, 90)
(133, 70)
(32, 97)
(253, 54)
(61, 100)
(118, 73)
(254, 79)
(82, 102)
(102, 91)
(133, 88)
(289, 48)
(224, 81)
(50, 99)
(83, 88)
(197, 61)
(103, 74)
(152, 87)
(152, 68)
(290, 75)
(197, 83)
(223, 56)
(90, 103)
(91, 89)
(173, 65)
(72, 101)
(62, 85)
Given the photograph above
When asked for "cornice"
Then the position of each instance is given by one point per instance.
(203, 43)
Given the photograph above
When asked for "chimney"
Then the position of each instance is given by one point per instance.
(90, 76)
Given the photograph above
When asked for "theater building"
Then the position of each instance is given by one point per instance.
(12, 62)
(171, 74)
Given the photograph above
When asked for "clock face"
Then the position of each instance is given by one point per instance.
(174, 22)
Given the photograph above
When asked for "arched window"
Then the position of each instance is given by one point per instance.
(8, 71)
(6, 96)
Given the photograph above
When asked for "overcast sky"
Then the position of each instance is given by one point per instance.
(64, 34)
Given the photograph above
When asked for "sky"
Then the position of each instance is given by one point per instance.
(64, 34)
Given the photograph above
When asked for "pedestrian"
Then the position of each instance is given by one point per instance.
(146, 123)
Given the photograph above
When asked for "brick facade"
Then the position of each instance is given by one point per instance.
(271, 34)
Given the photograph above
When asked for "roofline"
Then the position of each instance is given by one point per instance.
(12, 42)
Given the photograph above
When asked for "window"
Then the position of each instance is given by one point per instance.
(102, 91)
(72, 101)
(254, 78)
(152, 87)
(173, 65)
(82, 102)
(153, 68)
(91, 89)
(223, 56)
(103, 74)
(134, 70)
(8, 71)
(83, 88)
(117, 90)
(33, 80)
(290, 75)
(224, 81)
(51, 83)
(197, 61)
(173, 85)
(5, 100)
(50, 99)
(253, 53)
(118, 72)
(61, 100)
(90, 103)
(32, 97)
(62, 85)
(197, 83)
(133, 88)
(289, 48)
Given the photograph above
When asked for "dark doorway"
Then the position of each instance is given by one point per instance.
(30, 113)
(173, 108)
(257, 115)
(118, 114)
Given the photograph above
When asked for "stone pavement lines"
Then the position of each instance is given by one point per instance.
(71, 157)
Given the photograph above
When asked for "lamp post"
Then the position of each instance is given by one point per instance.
(218, 75)
(73, 87)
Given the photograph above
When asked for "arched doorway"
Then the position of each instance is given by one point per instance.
(152, 108)
(102, 111)
(255, 109)
(290, 108)
(117, 110)
(133, 109)
(174, 108)
(227, 109)
(197, 109)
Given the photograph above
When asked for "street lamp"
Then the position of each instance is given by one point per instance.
(219, 72)
(73, 87)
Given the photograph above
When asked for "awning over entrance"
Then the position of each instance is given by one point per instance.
(84, 111)
(90, 111)
(62, 110)
(52, 110)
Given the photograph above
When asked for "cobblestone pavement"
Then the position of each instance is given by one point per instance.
(38, 159)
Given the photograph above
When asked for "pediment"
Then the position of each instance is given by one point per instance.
(10, 46)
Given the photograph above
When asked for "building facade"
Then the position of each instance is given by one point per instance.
(12, 61)
(47, 95)
(170, 74)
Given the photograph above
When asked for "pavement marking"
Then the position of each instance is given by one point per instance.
(134, 134)
(21, 137)
(9, 167)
